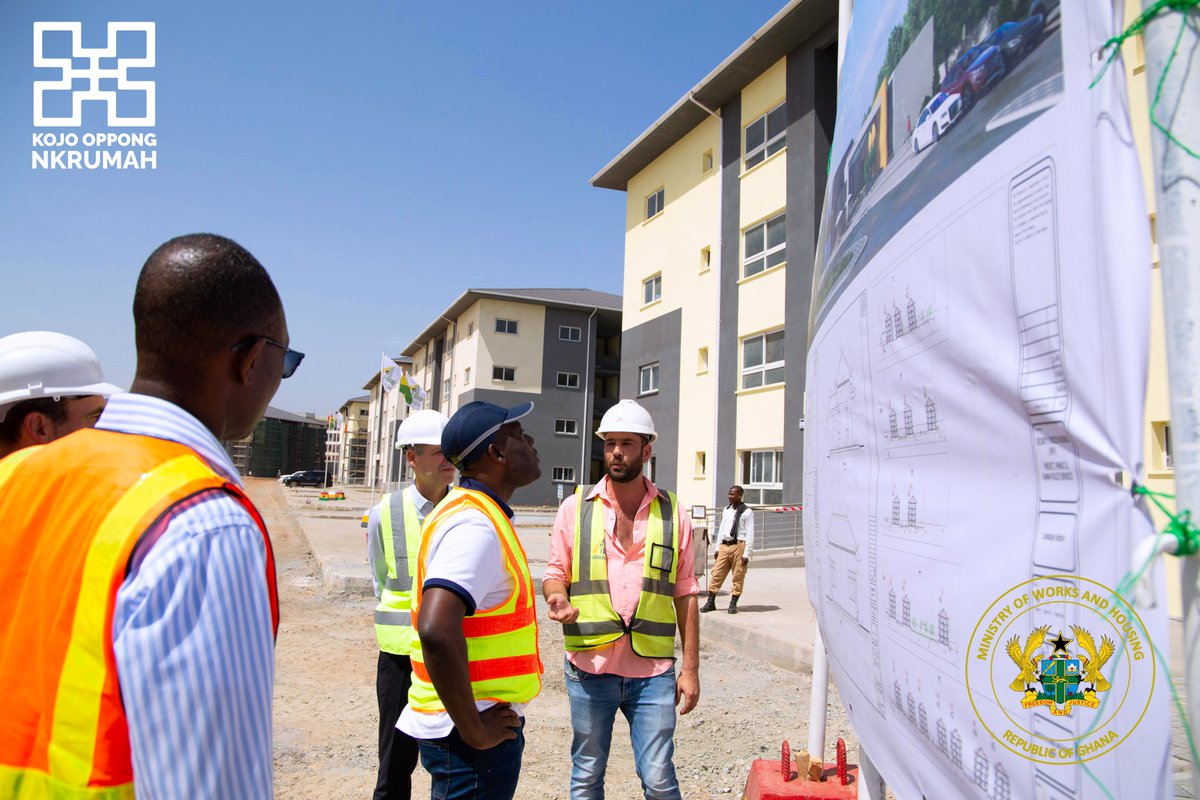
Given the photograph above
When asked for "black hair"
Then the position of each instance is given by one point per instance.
(10, 428)
(197, 295)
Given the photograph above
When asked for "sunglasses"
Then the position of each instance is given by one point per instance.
(291, 358)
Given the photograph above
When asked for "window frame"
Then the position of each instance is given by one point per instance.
(772, 142)
(766, 366)
(503, 371)
(568, 385)
(571, 428)
(655, 202)
(754, 490)
(568, 329)
(652, 285)
(510, 326)
(655, 369)
(560, 474)
(776, 253)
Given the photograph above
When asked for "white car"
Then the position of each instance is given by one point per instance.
(941, 112)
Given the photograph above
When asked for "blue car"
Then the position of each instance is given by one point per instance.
(1017, 39)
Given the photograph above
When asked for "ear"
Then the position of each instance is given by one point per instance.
(246, 360)
(647, 448)
(37, 427)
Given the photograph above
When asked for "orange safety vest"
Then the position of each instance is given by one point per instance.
(72, 512)
(503, 661)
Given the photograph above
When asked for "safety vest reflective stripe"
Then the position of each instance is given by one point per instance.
(652, 629)
(491, 668)
(393, 616)
(503, 661)
(61, 564)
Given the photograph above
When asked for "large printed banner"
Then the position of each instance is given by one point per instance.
(974, 404)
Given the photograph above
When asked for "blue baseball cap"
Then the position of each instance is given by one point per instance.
(473, 427)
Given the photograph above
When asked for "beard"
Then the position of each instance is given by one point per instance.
(625, 472)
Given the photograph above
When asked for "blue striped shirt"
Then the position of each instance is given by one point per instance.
(192, 632)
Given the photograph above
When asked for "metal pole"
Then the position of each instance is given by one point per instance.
(818, 707)
(1177, 200)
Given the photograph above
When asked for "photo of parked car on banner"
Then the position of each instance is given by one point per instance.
(939, 85)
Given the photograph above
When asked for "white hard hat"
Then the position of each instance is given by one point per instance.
(46, 364)
(627, 417)
(421, 427)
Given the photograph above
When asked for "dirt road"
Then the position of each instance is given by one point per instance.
(325, 712)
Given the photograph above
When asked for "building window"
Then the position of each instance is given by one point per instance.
(570, 333)
(654, 203)
(705, 259)
(566, 427)
(446, 394)
(762, 476)
(702, 360)
(765, 246)
(762, 360)
(650, 468)
(706, 161)
(701, 464)
(766, 136)
(648, 379)
(507, 374)
(470, 329)
(506, 325)
(652, 289)
(568, 380)
(564, 475)
(1162, 438)
(467, 376)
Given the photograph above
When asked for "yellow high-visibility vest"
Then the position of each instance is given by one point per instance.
(652, 629)
(393, 616)
(504, 664)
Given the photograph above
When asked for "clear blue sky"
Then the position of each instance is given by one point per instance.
(378, 156)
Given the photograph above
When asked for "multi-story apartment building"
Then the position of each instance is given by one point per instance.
(724, 194)
(281, 443)
(352, 440)
(560, 348)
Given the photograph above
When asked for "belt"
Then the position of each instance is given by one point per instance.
(729, 541)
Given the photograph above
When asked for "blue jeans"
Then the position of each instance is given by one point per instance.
(460, 772)
(649, 706)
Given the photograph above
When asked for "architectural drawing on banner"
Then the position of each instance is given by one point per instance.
(843, 570)
(902, 325)
(920, 595)
(844, 435)
(908, 510)
(911, 418)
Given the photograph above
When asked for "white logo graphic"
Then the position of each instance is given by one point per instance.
(93, 74)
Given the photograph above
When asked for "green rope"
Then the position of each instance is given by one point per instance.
(1185, 533)
(1179, 525)
(1135, 28)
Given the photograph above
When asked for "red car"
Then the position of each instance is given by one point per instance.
(976, 71)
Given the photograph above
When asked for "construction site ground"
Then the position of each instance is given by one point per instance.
(325, 708)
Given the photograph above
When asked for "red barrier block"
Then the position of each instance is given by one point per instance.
(766, 783)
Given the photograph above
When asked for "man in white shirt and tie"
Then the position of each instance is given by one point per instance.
(731, 550)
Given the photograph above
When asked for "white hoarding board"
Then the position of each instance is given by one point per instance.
(975, 387)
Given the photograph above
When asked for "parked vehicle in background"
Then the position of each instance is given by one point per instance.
(976, 71)
(1017, 39)
(936, 118)
(308, 477)
(284, 478)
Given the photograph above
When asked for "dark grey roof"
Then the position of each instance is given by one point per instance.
(561, 298)
(365, 398)
(567, 297)
(287, 416)
(796, 22)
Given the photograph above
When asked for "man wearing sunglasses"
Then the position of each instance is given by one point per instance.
(139, 579)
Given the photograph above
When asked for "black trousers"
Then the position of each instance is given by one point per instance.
(397, 750)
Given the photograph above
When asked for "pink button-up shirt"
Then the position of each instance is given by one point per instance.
(624, 578)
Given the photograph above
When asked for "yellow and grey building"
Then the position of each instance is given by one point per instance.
(560, 348)
(723, 206)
